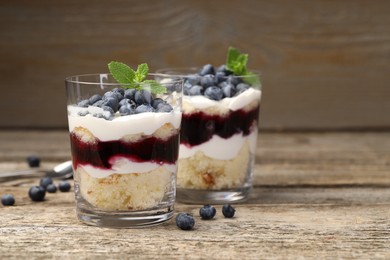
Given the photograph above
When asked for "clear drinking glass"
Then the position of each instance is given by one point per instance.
(218, 136)
(124, 145)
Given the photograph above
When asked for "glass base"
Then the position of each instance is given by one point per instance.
(191, 196)
(137, 219)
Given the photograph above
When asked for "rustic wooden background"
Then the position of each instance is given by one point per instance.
(325, 64)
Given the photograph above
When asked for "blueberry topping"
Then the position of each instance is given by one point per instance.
(208, 80)
(214, 93)
(233, 80)
(164, 108)
(195, 90)
(156, 102)
(37, 193)
(193, 79)
(242, 87)
(224, 70)
(228, 211)
(98, 103)
(129, 93)
(51, 188)
(121, 91)
(111, 102)
(7, 200)
(64, 186)
(207, 212)
(185, 221)
(228, 90)
(144, 108)
(33, 161)
(207, 70)
(95, 98)
(143, 97)
(83, 103)
(45, 181)
(126, 110)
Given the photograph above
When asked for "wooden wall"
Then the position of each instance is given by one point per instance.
(325, 64)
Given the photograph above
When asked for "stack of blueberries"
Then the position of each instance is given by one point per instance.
(214, 84)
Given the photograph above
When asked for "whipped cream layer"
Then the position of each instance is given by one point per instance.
(191, 103)
(124, 166)
(107, 130)
(219, 148)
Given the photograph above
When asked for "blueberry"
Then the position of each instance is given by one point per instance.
(220, 77)
(83, 113)
(7, 200)
(164, 108)
(37, 193)
(185, 221)
(129, 93)
(64, 186)
(207, 70)
(143, 97)
(83, 103)
(111, 102)
(95, 98)
(121, 91)
(228, 211)
(208, 80)
(45, 181)
(241, 87)
(33, 161)
(51, 188)
(124, 101)
(126, 110)
(214, 93)
(224, 70)
(156, 102)
(144, 108)
(228, 90)
(193, 79)
(112, 94)
(195, 90)
(207, 212)
(98, 103)
(233, 79)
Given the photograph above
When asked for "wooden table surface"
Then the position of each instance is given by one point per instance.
(316, 195)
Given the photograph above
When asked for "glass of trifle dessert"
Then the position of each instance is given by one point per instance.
(124, 135)
(218, 131)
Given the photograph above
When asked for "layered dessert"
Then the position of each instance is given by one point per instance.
(124, 146)
(219, 130)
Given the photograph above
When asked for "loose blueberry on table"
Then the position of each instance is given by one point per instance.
(45, 181)
(33, 161)
(7, 200)
(37, 193)
(64, 186)
(185, 221)
(51, 188)
(228, 211)
(207, 212)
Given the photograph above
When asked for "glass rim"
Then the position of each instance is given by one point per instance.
(72, 79)
(186, 70)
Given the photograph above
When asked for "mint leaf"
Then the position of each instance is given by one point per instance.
(126, 75)
(141, 72)
(237, 63)
(155, 87)
(121, 72)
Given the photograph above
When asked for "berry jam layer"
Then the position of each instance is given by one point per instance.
(101, 154)
(199, 127)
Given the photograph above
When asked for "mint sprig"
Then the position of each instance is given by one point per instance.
(130, 78)
(237, 63)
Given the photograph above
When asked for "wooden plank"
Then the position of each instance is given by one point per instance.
(324, 63)
(280, 223)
